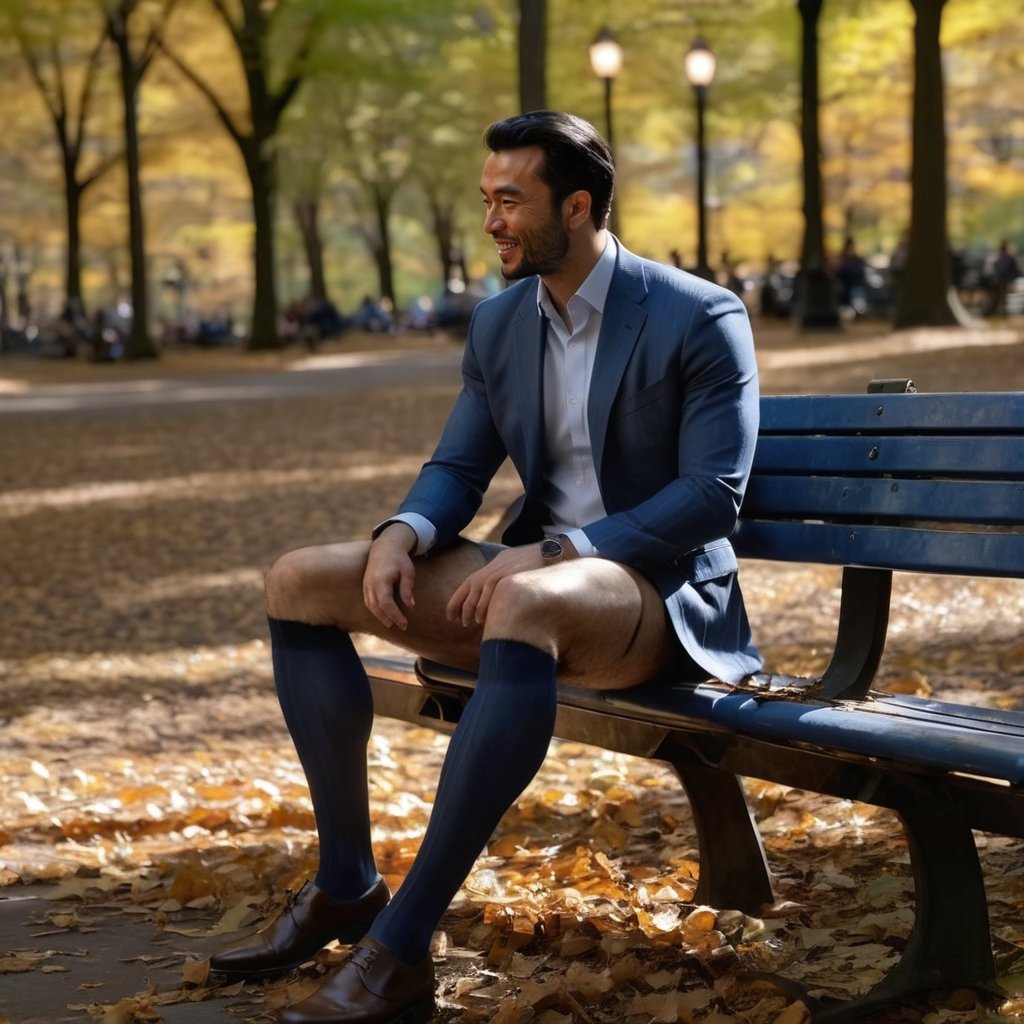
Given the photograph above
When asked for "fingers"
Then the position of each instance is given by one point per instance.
(453, 610)
(380, 602)
(387, 590)
(471, 600)
(468, 604)
(389, 577)
(386, 610)
(405, 590)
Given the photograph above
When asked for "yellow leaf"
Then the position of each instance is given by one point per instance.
(795, 1013)
(195, 972)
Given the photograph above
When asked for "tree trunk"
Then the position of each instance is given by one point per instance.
(533, 47)
(926, 295)
(307, 216)
(22, 273)
(73, 255)
(262, 175)
(817, 302)
(443, 217)
(139, 344)
(382, 251)
(249, 22)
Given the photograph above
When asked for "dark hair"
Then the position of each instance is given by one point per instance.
(576, 158)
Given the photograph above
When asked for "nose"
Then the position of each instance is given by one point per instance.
(492, 220)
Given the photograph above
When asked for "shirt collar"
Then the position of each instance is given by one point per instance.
(594, 290)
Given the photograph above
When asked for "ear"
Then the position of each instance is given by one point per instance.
(576, 208)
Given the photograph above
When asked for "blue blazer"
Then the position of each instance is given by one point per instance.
(673, 413)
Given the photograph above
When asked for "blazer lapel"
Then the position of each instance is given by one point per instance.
(528, 337)
(623, 319)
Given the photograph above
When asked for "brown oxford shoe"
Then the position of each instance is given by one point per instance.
(372, 987)
(309, 921)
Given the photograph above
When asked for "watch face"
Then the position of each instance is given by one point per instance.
(550, 548)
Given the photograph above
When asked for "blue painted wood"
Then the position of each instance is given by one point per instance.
(842, 497)
(849, 726)
(1001, 412)
(904, 548)
(973, 457)
(879, 478)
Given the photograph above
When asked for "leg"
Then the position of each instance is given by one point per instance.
(324, 693)
(604, 622)
(597, 622)
(607, 626)
(326, 702)
(325, 698)
(322, 586)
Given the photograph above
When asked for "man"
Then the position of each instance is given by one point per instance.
(1005, 270)
(625, 394)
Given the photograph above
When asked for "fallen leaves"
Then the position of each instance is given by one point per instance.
(558, 919)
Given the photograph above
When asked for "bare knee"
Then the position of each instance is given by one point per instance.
(523, 607)
(312, 584)
(284, 583)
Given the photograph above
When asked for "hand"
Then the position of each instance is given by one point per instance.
(389, 576)
(471, 600)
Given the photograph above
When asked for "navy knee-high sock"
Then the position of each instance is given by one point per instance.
(496, 750)
(327, 705)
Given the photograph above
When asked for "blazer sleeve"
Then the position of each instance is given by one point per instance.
(451, 485)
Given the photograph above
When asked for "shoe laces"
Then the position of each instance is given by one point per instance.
(292, 897)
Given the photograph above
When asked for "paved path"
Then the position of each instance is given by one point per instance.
(316, 375)
(109, 957)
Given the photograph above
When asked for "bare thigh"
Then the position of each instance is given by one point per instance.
(323, 586)
(605, 622)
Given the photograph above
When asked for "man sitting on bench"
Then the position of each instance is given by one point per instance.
(625, 393)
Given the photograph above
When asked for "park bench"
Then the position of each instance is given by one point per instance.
(891, 480)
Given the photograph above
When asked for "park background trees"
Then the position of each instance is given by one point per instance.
(291, 148)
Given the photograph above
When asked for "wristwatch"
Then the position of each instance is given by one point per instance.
(551, 548)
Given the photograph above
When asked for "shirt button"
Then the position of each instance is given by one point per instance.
(572, 399)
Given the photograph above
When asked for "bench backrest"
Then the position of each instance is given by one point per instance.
(920, 482)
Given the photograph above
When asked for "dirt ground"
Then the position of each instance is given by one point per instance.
(148, 782)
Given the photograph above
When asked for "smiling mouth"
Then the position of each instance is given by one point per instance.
(504, 245)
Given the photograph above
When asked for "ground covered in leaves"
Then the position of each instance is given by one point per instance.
(145, 770)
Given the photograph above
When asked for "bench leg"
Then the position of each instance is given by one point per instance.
(950, 945)
(733, 867)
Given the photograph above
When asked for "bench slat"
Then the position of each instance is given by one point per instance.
(887, 547)
(945, 745)
(928, 733)
(999, 412)
(948, 501)
(971, 457)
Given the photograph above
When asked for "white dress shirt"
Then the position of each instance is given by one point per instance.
(571, 487)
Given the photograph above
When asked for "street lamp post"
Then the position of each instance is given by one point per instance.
(699, 63)
(606, 60)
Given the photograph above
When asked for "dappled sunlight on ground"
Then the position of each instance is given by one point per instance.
(146, 775)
